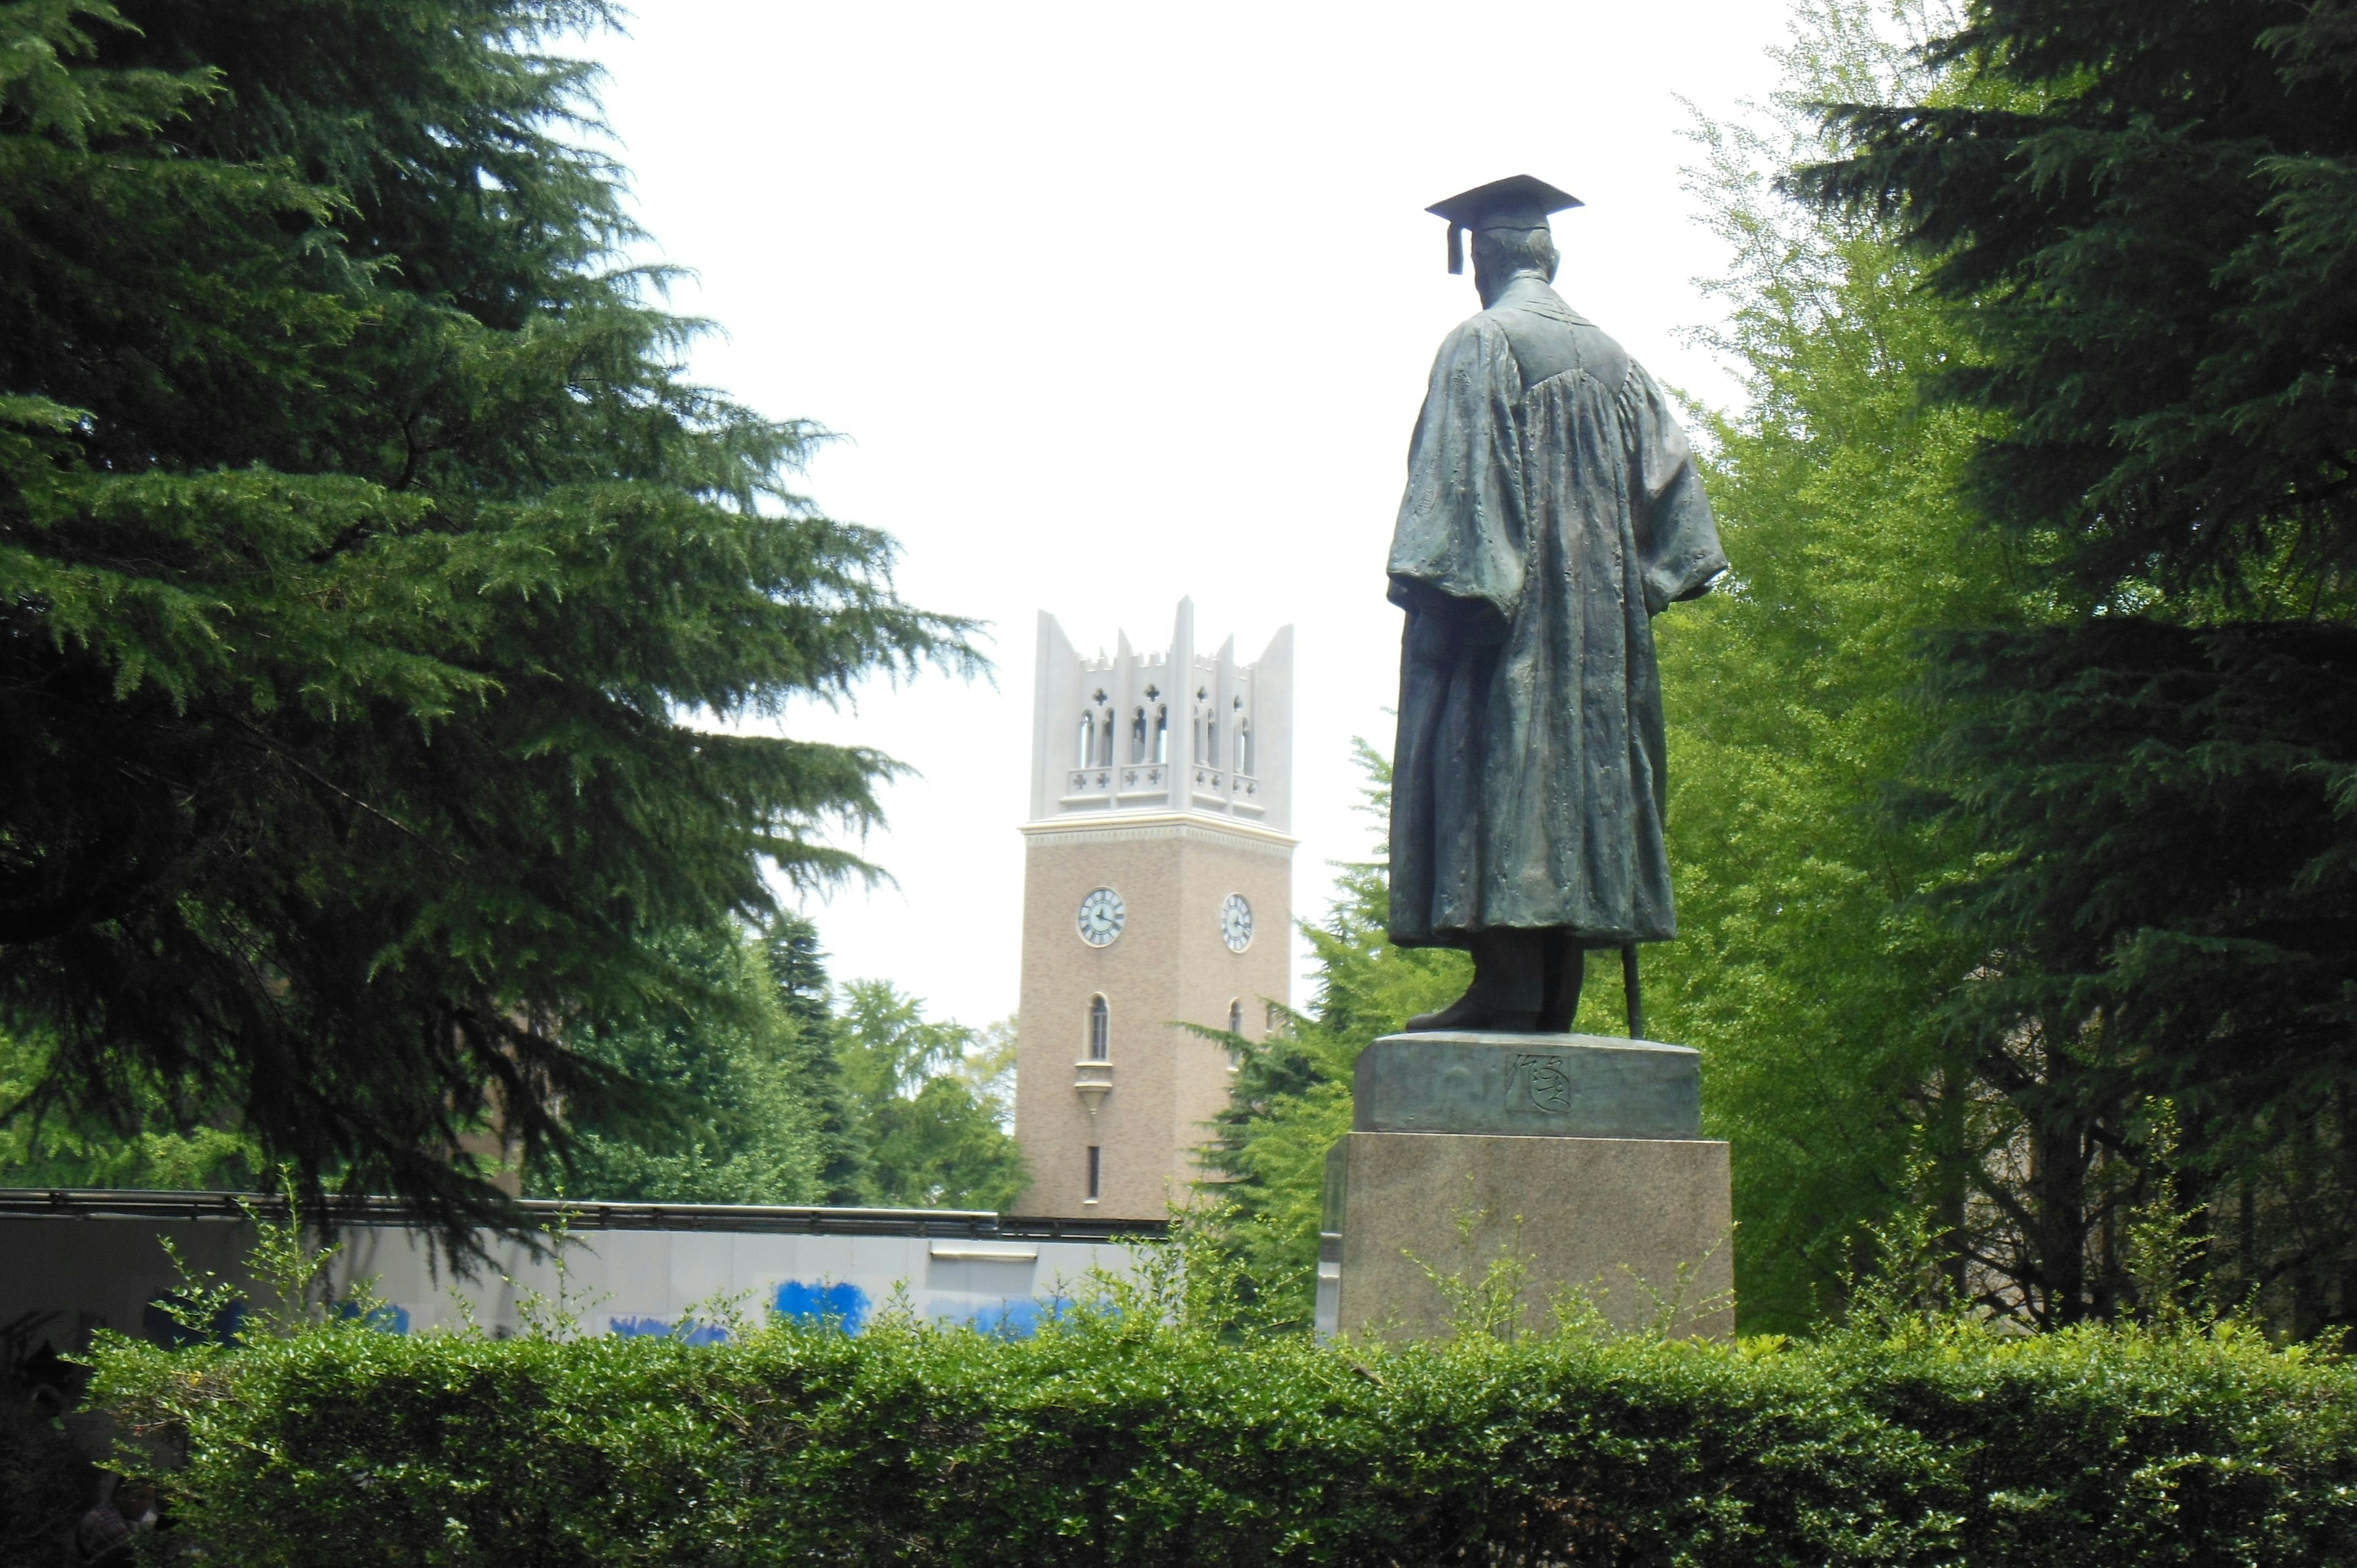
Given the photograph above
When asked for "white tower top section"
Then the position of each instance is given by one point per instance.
(1174, 731)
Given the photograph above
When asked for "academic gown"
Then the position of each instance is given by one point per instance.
(1552, 511)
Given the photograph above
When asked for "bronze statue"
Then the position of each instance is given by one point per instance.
(1553, 509)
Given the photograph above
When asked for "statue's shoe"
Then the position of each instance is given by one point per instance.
(1468, 1016)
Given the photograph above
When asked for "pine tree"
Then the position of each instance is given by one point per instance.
(2147, 214)
(797, 966)
(375, 592)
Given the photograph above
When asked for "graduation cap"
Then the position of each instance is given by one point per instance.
(1518, 202)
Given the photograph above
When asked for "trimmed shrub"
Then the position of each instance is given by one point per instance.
(1147, 1430)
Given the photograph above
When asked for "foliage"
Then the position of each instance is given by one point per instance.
(736, 1122)
(362, 553)
(176, 1146)
(1805, 969)
(1157, 1426)
(2147, 213)
(935, 1135)
(802, 1092)
(785, 1090)
(2152, 210)
(2174, 916)
(805, 994)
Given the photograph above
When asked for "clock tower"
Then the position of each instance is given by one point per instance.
(1157, 893)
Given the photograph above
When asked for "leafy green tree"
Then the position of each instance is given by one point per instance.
(736, 1122)
(988, 1068)
(2146, 208)
(802, 1093)
(177, 1146)
(1808, 969)
(365, 554)
(934, 1138)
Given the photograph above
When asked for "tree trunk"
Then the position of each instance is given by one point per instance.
(1951, 1178)
(2057, 1190)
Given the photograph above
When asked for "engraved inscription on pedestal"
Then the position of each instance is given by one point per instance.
(1539, 1083)
(1564, 1086)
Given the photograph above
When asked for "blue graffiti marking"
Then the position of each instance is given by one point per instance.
(384, 1317)
(1015, 1317)
(840, 1305)
(694, 1333)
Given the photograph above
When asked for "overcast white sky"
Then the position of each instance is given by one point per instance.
(1114, 302)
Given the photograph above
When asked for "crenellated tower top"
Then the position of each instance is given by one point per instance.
(1173, 731)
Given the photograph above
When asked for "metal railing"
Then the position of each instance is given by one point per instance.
(105, 1203)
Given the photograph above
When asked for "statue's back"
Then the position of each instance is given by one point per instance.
(1549, 337)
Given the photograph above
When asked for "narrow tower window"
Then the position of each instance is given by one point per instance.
(1162, 734)
(1211, 741)
(1096, 1170)
(1244, 747)
(1099, 1029)
(1088, 734)
(1236, 1017)
(1138, 737)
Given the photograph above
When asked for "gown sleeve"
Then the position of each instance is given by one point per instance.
(1459, 548)
(1677, 541)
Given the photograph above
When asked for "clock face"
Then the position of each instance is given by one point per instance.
(1101, 918)
(1235, 923)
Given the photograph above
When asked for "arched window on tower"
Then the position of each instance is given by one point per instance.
(1245, 758)
(1235, 1026)
(1162, 734)
(1105, 740)
(1212, 740)
(1088, 736)
(1099, 1029)
(1138, 737)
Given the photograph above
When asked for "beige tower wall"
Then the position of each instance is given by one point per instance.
(1173, 873)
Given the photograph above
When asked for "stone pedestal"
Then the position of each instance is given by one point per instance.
(1515, 1167)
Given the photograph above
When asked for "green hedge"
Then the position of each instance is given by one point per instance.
(1131, 1436)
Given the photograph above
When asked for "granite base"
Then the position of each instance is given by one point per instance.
(1641, 1227)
